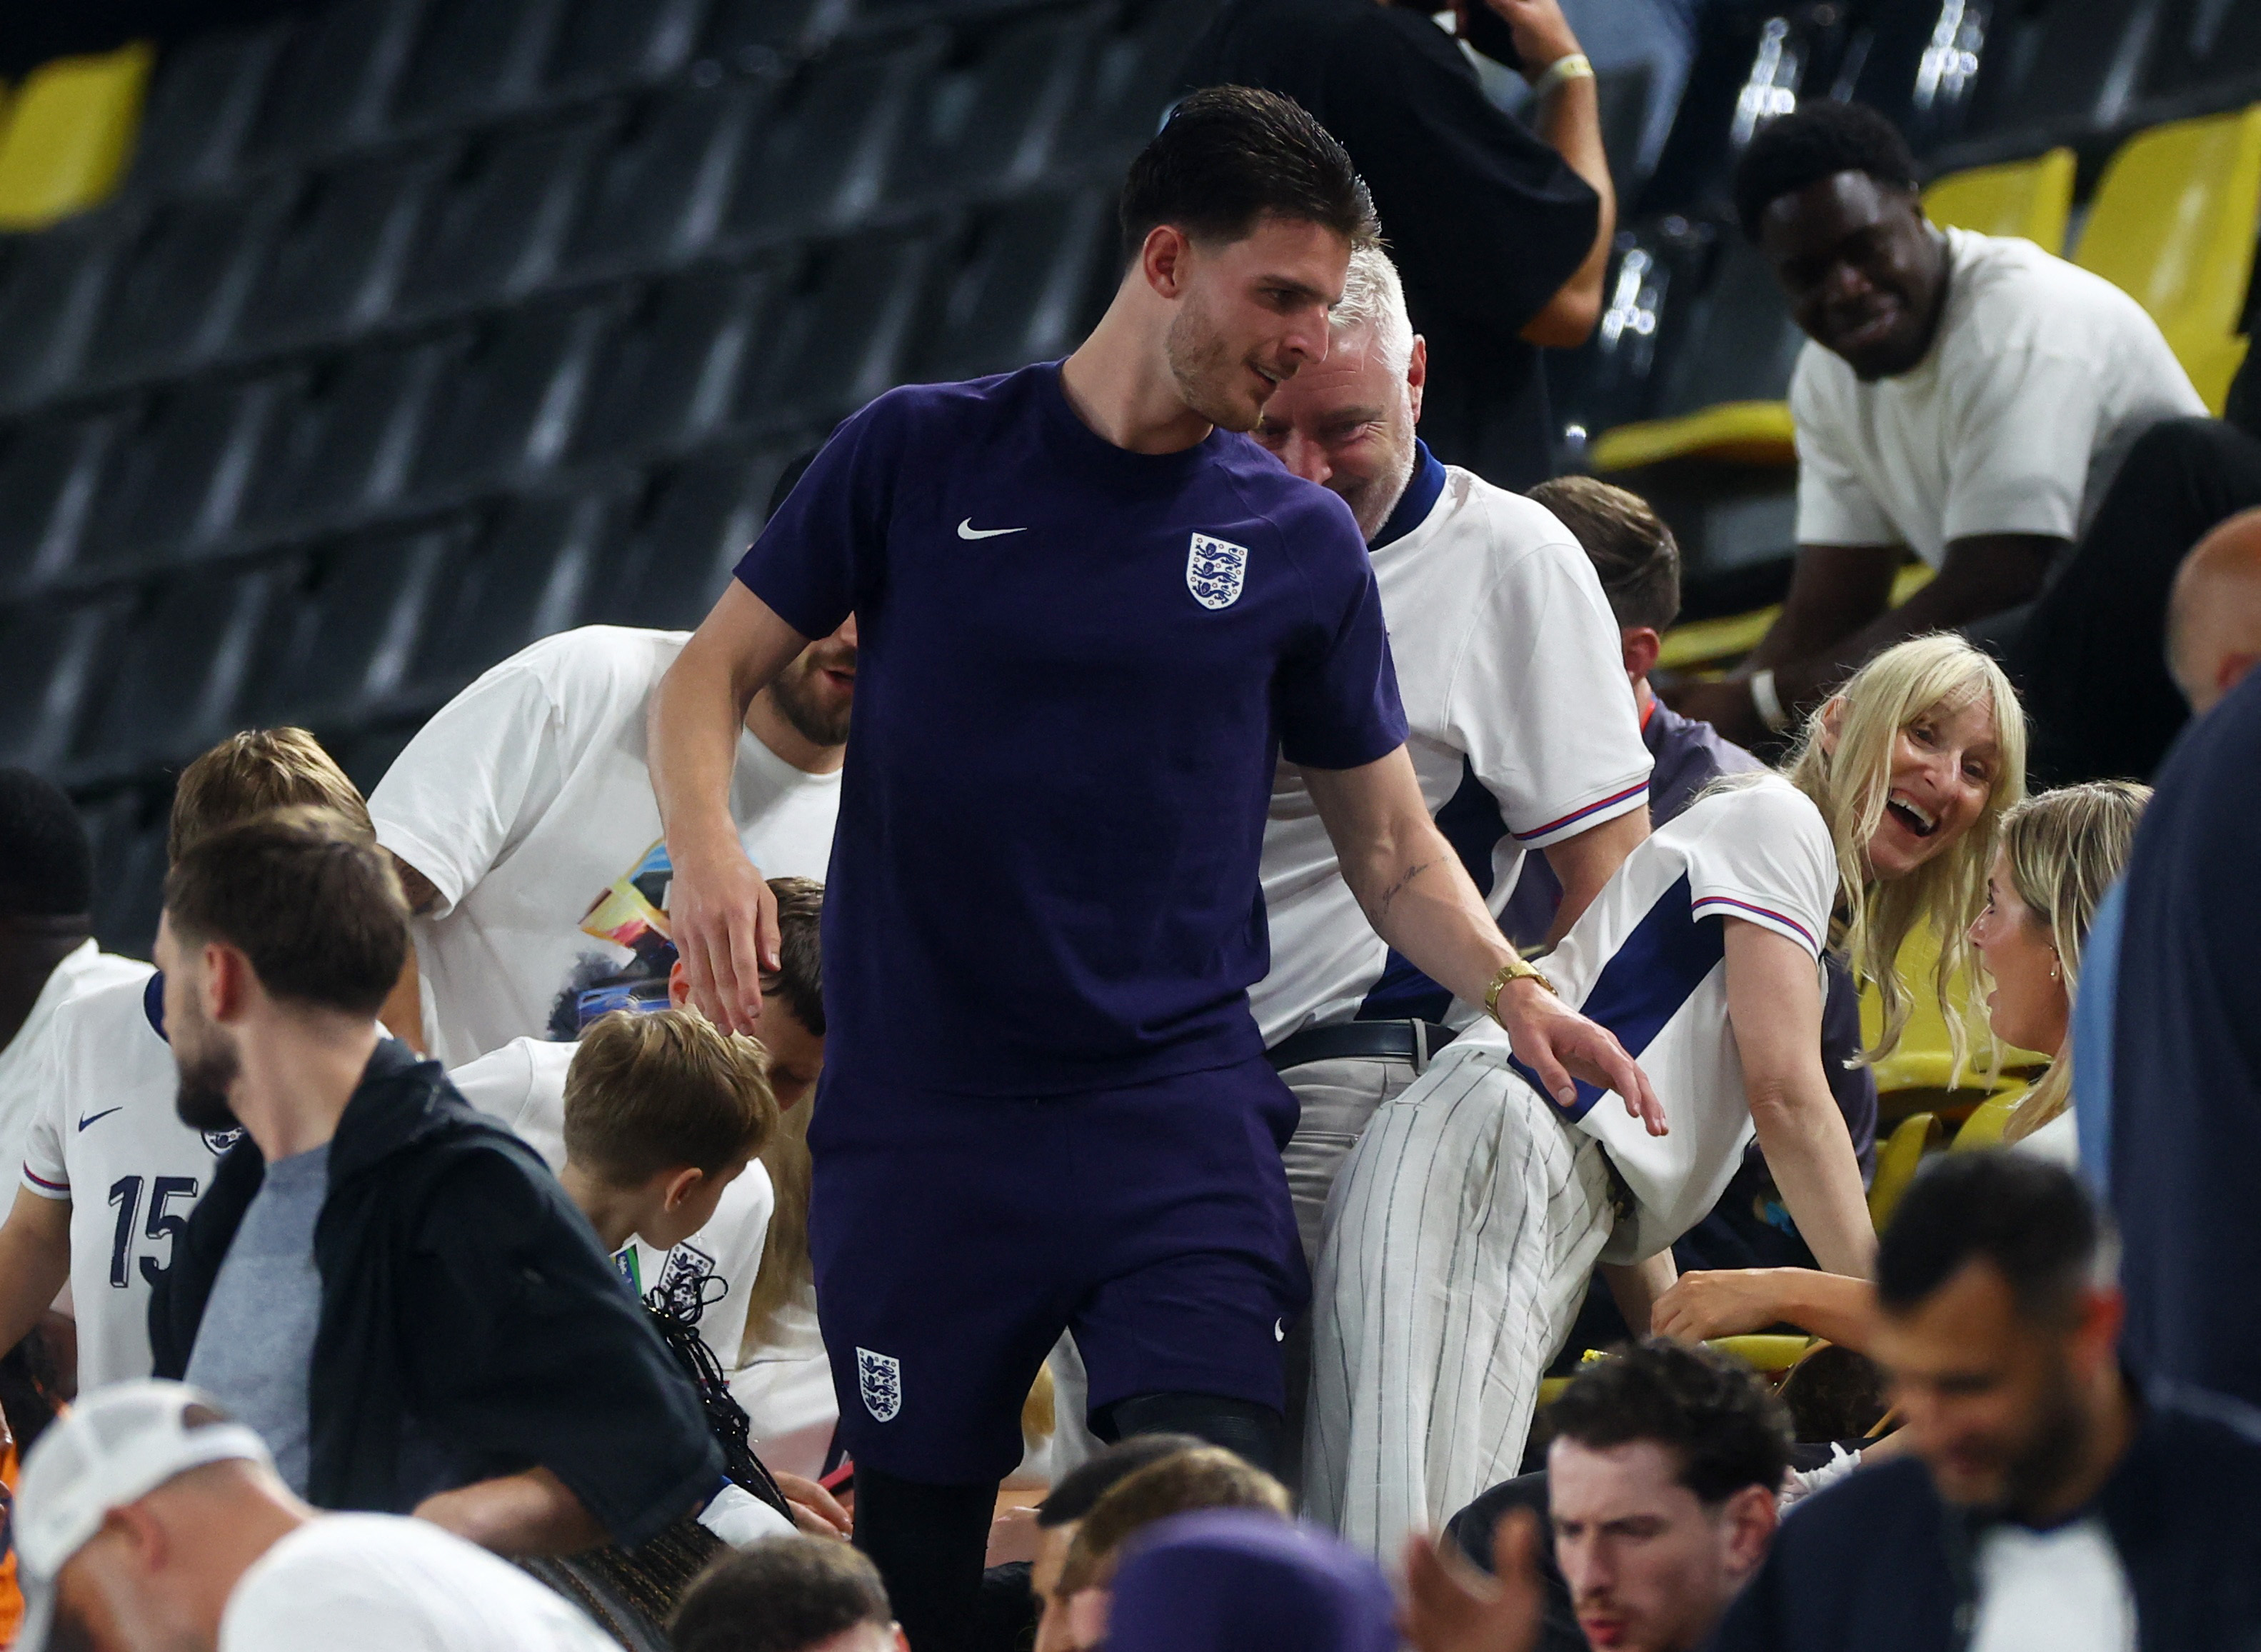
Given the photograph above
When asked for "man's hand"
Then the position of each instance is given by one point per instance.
(1725, 1302)
(1726, 705)
(815, 1511)
(1542, 34)
(724, 922)
(1450, 1607)
(1557, 1043)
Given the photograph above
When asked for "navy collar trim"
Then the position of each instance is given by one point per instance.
(153, 1004)
(1420, 497)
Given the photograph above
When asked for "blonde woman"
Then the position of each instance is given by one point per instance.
(1472, 1211)
(2059, 852)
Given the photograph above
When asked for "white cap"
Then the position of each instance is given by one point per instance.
(115, 1446)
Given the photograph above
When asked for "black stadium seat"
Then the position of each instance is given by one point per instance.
(531, 573)
(510, 408)
(478, 57)
(343, 448)
(52, 286)
(822, 160)
(840, 339)
(607, 43)
(338, 259)
(50, 477)
(671, 372)
(497, 224)
(1019, 290)
(2063, 66)
(205, 97)
(335, 83)
(50, 655)
(345, 632)
(178, 672)
(991, 120)
(696, 522)
(659, 193)
(2206, 44)
(176, 483)
(173, 302)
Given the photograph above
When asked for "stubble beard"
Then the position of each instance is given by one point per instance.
(814, 718)
(1202, 364)
(205, 1077)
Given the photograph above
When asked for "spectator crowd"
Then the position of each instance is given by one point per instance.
(1165, 1033)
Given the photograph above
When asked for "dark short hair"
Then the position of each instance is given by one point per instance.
(1230, 155)
(1628, 543)
(307, 896)
(782, 1594)
(1818, 142)
(46, 865)
(2026, 1217)
(252, 772)
(800, 979)
(1092, 1479)
(1717, 1418)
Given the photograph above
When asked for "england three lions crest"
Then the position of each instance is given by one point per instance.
(881, 1378)
(1215, 570)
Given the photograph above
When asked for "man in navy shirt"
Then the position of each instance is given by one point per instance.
(1091, 618)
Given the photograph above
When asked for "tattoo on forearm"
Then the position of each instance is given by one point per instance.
(1381, 906)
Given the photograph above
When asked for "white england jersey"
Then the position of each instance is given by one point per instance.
(1644, 962)
(1520, 720)
(105, 1137)
(85, 968)
(705, 1278)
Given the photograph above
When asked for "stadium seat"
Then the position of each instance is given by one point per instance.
(478, 57)
(51, 655)
(821, 163)
(173, 302)
(1924, 1060)
(205, 96)
(1702, 643)
(697, 521)
(661, 188)
(2032, 198)
(68, 134)
(671, 374)
(750, 35)
(991, 120)
(176, 676)
(1021, 285)
(177, 479)
(623, 42)
(50, 477)
(1134, 74)
(499, 221)
(335, 81)
(343, 447)
(510, 410)
(529, 576)
(1721, 398)
(1766, 1352)
(1984, 1126)
(2204, 44)
(1898, 1157)
(841, 338)
(128, 829)
(338, 259)
(2060, 66)
(2173, 223)
(346, 631)
(51, 291)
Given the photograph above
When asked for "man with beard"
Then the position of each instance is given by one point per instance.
(2049, 1502)
(390, 1288)
(1096, 618)
(520, 819)
(1964, 399)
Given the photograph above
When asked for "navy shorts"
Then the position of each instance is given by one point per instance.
(955, 1237)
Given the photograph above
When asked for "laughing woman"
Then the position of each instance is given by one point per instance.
(1472, 1211)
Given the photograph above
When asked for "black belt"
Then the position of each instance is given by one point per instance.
(1414, 1041)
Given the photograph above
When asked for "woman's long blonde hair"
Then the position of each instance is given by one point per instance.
(2065, 848)
(1850, 784)
(785, 1274)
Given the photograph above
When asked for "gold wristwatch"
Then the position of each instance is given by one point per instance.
(1514, 970)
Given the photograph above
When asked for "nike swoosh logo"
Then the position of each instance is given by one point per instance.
(967, 530)
(91, 1117)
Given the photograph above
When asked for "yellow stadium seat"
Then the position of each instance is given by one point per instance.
(1731, 433)
(1897, 1160)
(2032, 198)
(1924, 1059)
(1764, 1351)
(2173, 223)
(1711, 643)
(1987, 1121)
(68, 134)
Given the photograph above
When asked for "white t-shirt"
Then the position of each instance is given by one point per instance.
(1514, 686)
(105, 1137)
(384, 1583)
(2041, 377)
(523, 1085)
(83, 969)
(1647, 960)
(526, 798)
(2059, 1141)
(2059, 1590)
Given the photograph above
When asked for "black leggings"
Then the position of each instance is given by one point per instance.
(928, 1541)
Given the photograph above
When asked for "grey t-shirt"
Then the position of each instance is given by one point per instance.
(256, 1347)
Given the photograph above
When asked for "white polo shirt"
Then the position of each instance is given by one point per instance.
(526, 798)
(1648, 959)
(2040, 378)
(1520, 715)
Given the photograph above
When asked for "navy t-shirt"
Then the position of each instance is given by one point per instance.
(1077, 666)
(2185, 1127)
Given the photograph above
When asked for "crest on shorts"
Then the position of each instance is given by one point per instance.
(1214, 568)
(879, 1376)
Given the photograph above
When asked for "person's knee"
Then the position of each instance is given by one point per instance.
(1256, 1432)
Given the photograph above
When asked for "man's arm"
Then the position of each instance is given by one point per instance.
(34, 1261)
(1415, 893)
(1774, 1006)
(518, 1514)
(1583, 864)
(1734, 1301)
(1569, 119)
(722, 914)
(1637, 1287)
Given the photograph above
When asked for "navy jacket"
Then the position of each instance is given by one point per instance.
(471, 1324)
(1879, 1563)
